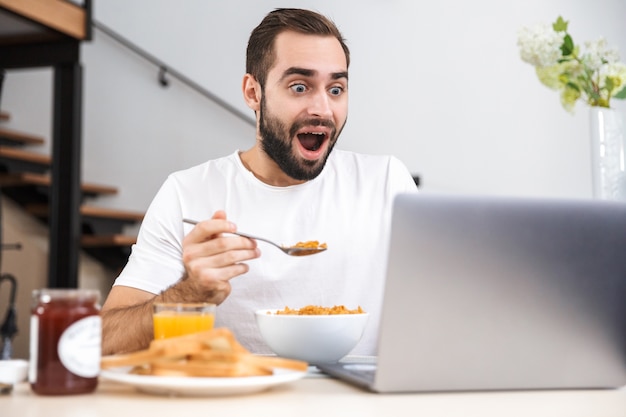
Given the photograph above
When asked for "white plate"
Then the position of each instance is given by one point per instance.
(200, 386)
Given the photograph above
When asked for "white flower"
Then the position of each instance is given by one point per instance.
(540, 45)
(599, 53)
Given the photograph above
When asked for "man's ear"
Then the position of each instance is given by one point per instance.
(251, 92)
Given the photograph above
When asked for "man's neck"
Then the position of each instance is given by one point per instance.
(265, 169)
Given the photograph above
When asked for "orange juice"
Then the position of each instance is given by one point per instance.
(171, 319)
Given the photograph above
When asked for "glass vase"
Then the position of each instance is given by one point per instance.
(607, 154)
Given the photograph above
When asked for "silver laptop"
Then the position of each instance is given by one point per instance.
(495, 293)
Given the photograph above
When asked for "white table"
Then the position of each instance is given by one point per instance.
(315, 396)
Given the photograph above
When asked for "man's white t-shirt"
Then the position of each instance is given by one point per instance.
(348, 207)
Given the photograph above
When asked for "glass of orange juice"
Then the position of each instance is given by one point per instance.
(177, 319)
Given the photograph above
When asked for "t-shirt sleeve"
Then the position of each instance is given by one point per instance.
(401, 180)
(155, 262)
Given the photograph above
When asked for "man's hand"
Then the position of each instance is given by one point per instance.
(211, 260)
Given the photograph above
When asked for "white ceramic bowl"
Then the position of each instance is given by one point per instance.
(311, 338)
(13, 371)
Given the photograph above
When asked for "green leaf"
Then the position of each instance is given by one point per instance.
(560, 25)
(573, 86)
(622, 94)
(568, 45)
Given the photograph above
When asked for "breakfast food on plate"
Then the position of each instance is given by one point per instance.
(213, 353)
(317, 310)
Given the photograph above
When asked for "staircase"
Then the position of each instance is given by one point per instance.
(25, 179)
(49, 33)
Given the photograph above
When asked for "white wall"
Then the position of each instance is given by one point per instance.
(438, 84)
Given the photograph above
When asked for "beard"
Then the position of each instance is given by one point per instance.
(276, 143)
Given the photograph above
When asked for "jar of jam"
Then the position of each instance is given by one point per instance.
(65, 341)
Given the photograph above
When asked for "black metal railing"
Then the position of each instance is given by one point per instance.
(165, 70)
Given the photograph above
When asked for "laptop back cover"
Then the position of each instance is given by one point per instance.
(490, 293)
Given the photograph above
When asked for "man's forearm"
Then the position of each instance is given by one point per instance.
(127, 329)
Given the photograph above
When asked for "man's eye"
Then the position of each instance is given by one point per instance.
(298, 88)
(335, 91)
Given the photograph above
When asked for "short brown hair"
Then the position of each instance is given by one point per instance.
(260, 54)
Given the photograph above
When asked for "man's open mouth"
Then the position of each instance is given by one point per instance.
(311, 141)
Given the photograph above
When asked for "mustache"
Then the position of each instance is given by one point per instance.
(314, 123)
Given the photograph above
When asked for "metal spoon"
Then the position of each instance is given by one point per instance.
(289, 250)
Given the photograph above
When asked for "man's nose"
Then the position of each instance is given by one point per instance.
(320, 105)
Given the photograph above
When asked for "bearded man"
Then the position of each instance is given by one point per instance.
(292, 185)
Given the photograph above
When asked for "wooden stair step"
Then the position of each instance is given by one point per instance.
(25, 179)
(96, 221)
(112, 250)
(87, 211)
(93, 241)
(125, 215)
(11, 137)
(13, 159)
(61, 16)
(27, 156)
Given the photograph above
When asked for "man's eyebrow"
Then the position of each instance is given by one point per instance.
(298, 71)
(339, 75)
(310, 73)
